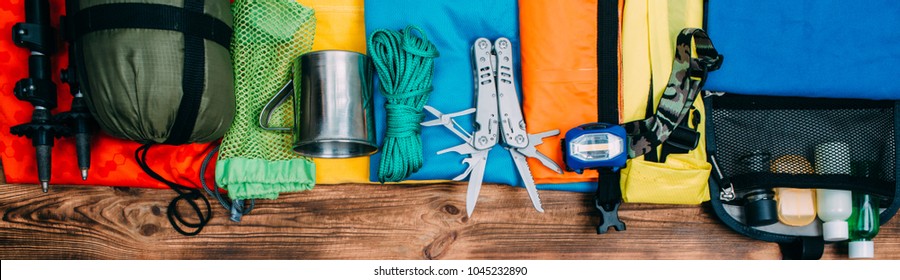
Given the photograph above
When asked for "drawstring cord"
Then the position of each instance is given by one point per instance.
(236, 207)
(186, 194)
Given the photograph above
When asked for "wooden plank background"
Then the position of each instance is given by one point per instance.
(371, 222)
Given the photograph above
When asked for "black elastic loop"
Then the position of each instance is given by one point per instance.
(872, 186)
(152, 16)
(189, 195)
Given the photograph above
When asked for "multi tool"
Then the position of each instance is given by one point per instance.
(498, 119)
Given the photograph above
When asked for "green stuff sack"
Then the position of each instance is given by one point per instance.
(156, 71)
(255, 163)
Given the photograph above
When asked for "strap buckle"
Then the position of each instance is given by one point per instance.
(608, 199)
(683, 138)
(609, 216)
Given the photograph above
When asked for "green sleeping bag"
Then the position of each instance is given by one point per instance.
(156, 71)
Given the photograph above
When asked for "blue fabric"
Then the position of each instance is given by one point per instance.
(452, 26)
(825, 48)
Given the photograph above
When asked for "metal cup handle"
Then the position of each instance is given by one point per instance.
(276, 101)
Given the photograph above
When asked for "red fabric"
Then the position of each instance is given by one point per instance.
(112, 159)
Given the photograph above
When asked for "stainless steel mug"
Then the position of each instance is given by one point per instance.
(332, 105)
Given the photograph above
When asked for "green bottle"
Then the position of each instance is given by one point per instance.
(863, 226)
(863, 221)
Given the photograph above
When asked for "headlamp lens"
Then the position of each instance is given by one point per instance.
(596, 146)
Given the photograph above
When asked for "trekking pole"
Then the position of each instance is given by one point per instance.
(36, 35)
(78, 118)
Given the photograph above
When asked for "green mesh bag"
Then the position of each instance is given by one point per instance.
(255, 163)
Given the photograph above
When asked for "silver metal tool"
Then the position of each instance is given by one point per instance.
(512, 124)
(498, 119)
(486, 121)
(447, 121)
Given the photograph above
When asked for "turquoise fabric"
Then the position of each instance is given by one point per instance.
(826, 48)
(452, 26)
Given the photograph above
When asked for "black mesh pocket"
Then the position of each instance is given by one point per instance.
(805, 143)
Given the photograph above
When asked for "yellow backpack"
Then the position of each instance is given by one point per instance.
(649, 29)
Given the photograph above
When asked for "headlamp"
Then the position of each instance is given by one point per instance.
(595, 145)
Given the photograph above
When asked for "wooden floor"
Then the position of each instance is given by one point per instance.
(371, 222)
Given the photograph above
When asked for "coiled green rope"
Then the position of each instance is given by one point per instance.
(405, 66)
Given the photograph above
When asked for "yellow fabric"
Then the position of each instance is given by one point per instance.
(650, 28)
(682, 179)
(340, 25)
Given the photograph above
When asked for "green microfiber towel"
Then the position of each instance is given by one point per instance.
(255, 163)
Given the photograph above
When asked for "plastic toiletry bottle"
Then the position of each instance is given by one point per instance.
(759, 205)
(796, 207)
(833, 206)
(863, 226)
(864, 220)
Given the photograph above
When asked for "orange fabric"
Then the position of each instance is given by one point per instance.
(112, 160)
(559, 74)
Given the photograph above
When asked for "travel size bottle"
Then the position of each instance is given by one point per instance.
(796, 207)
(863, 226)
(864, 219)
(833, 206)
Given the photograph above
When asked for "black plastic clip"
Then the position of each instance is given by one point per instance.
(609, 216)
(35, 37)
(607, 200)
(683, 138)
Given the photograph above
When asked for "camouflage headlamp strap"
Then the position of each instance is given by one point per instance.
(688, 76)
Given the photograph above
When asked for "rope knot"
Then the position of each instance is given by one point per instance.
(402, 120)
(405, 65)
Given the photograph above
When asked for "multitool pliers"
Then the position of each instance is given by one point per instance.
(498, 119)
